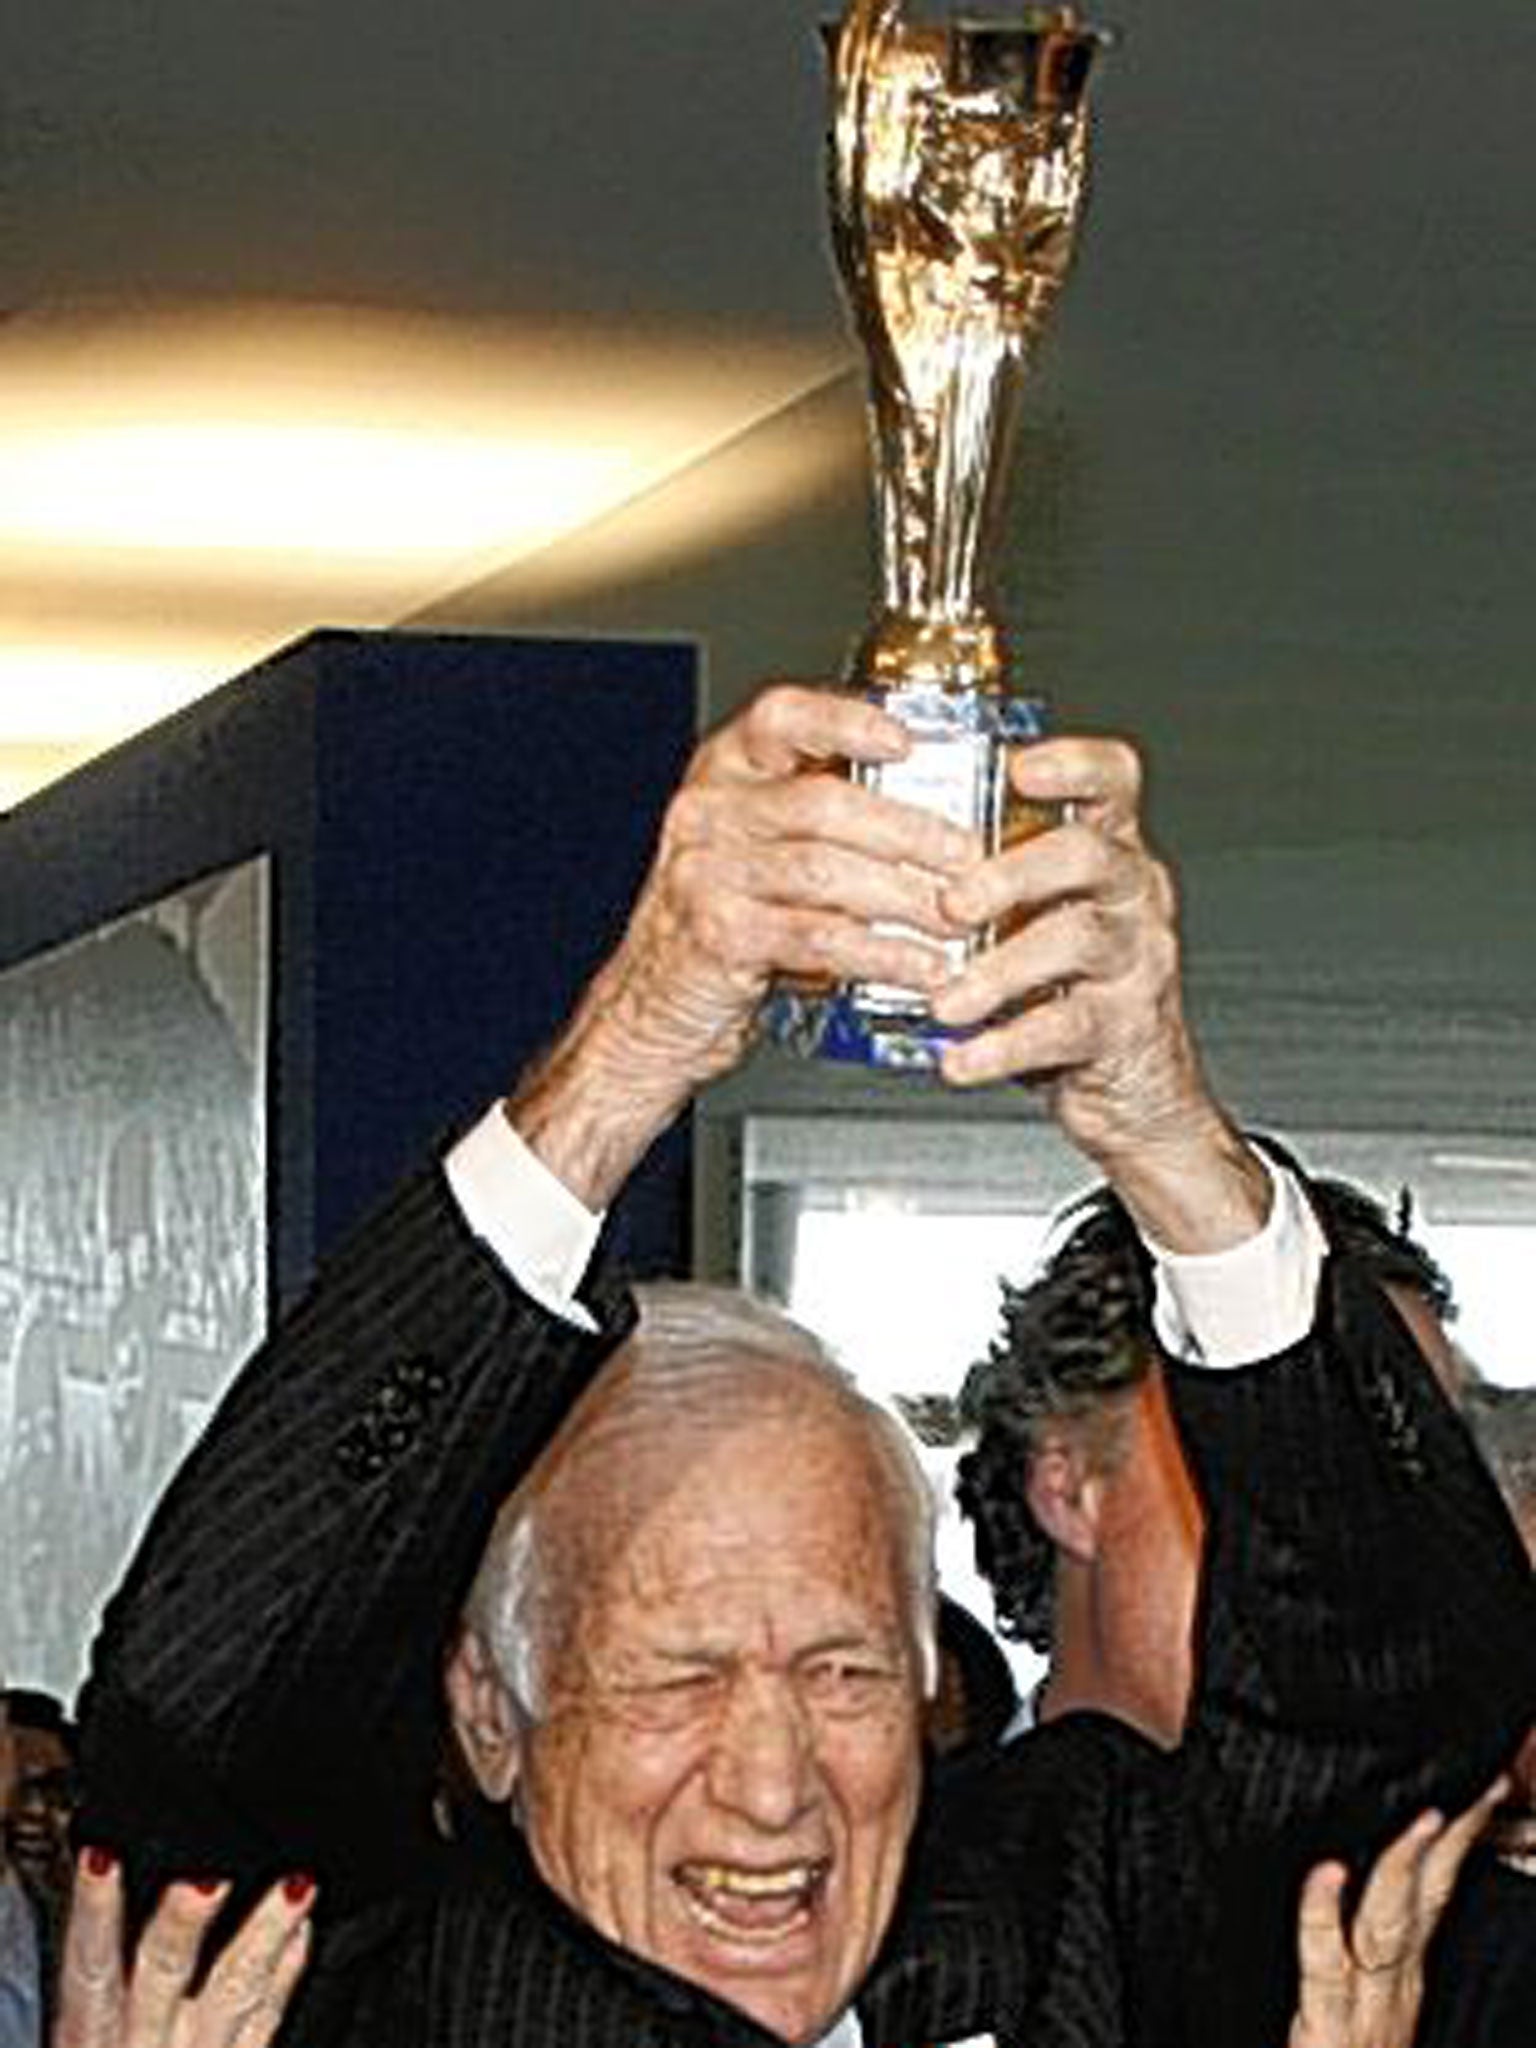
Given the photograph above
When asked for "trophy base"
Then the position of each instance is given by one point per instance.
(837, 1026)
(958, 766)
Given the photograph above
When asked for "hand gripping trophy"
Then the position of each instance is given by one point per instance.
(957, 171)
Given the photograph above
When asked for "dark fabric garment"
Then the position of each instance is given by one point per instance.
(266, 1691)
(1366, 1645)
(266, 1697)
(1482, 1969)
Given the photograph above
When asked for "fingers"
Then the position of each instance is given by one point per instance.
(1081, 903)
(243, 2001)
(806, 807)
(817, 843)
(1087, 986)
(742, 933)
(790, 726)
(753, 824)
(1411, 1881)
(791, 873)
(1071, 905)
(1388, 1923)
(90, 2006)
(148, 2005)
(1361, 1986)
(1327, 1988)
(1447, 1852)
(165, 1962)
(1100, 779)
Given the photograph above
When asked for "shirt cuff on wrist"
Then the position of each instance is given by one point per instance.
(527, 1218)
(1257, 1298)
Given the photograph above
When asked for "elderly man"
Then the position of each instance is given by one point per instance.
(1100, 1491)
(702, 1688)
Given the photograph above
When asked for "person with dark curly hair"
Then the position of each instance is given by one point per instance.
(1072, 1427)
(1072, 1379)
(1084, 1491)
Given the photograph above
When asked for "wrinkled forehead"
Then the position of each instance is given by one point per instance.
(787, 1522)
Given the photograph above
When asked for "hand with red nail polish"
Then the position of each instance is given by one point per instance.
(149, 2003)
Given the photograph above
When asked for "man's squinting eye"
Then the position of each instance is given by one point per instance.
(669, 1699)
(848, 1682)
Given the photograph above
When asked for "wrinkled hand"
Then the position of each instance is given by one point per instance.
(771, 862)
(103, 2004)
(1361, 1986)
(1082, 994)
(1085, 988)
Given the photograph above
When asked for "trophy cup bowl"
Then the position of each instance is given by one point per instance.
(957, 168)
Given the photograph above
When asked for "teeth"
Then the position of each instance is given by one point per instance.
(756, 1884)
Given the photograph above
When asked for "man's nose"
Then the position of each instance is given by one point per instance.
(762, 1762)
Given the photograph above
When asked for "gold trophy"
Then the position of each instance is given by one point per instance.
(958, 155)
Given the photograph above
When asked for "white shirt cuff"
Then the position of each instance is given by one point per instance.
(1259, 1297)
(527, 1218)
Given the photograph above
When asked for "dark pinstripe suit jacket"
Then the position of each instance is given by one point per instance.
(1367, 1638)
(1482, 1978)
(265, 1690)
(266, 1697)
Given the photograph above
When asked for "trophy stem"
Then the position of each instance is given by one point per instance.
(938, 483)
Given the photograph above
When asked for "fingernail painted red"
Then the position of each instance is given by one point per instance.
(298, 1888)
(99, 1862)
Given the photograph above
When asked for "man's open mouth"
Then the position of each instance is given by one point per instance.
(751, 1904)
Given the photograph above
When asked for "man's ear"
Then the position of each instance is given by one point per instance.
(484, 1719)
(1066, 1496)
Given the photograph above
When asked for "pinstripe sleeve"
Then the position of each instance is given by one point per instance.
(265, 1688)
(1367, 1628)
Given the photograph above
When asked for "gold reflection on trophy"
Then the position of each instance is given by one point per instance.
(957, 171)
(957, 167)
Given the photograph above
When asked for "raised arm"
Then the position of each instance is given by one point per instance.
(1084, 996)
(265, 1688)
(1364, 1624)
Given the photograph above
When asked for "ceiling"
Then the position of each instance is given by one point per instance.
(317, 314)
(363, 270)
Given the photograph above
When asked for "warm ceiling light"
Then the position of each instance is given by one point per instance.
(352, 497)
(181, 492)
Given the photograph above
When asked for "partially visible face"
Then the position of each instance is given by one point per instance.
(1137, 1656)
(1444, 1357)
(7, 1761)
(41, 1804)
(725, 1774)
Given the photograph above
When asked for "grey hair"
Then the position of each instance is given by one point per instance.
(701, 1361)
